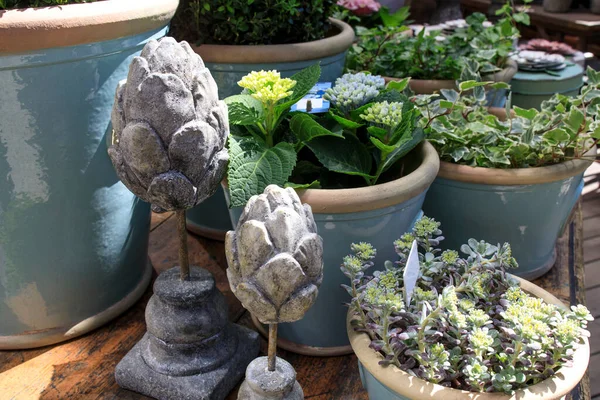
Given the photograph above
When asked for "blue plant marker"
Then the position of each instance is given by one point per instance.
(313, 102)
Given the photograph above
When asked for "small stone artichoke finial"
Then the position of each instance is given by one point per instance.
(275, 256)
(169, 128)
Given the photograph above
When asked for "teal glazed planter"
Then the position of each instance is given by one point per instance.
(391, 383)
(526, 207)
(73, 239)
(379, 215)
(530, 89)
(210, 219)
(228, 64)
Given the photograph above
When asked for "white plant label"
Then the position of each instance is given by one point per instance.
(411, 272)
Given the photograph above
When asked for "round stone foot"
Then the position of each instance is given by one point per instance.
(262, 384)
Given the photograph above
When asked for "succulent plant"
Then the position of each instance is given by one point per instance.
(275, 256)
(169, 128)
(468, 325)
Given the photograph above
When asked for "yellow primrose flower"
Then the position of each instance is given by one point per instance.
(267, 86)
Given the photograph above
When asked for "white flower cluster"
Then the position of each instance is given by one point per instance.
(352, 91)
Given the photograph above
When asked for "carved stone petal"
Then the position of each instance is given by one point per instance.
(310, 220)
(254, 247)
(138, 71)
(205, 91)
(192, 149)
(286, 227)
(165, 103)
(219, 118)
(126, 175)
(117, 116)
(279, 197)
(233, 277)
(231, 253)
(310, 255)
(298, 305)
(279, 278)
(170, 57)
(213, 176)
(172, 191)
(253, 301)
(141, 147)
(256, 208)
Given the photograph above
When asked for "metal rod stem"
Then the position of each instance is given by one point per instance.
(272, 350)
(184, 261)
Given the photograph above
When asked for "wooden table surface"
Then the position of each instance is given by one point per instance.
(83, 368)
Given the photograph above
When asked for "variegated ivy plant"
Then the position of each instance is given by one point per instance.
(468, 324)
(464, 131)
(367, 130)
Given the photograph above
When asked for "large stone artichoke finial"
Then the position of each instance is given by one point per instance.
(275, 256)
(169, 128)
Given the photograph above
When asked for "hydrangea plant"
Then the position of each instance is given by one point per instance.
(468, 325)
(368, 129)
(464, 131)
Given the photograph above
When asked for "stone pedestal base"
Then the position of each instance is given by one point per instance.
(191, 350)
(133, 373)
(262, 384)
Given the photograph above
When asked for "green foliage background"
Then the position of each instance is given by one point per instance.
(9, 4)
(244, 22)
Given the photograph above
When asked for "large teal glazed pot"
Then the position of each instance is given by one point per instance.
(228, 64)
(73, 239)
(530, 89)
(526, 207)
(391, 383)
(379, 215)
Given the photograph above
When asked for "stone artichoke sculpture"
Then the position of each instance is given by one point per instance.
(169, 128)
(275, 256)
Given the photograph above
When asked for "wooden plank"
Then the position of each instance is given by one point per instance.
(591, 250)
(593, 301)
(592, 274)
(591, 227)
(594, 328)
(595, 375)
(591, 206)
(158, 219)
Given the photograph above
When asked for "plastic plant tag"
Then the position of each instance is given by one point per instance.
(313, 102)
(411, 272)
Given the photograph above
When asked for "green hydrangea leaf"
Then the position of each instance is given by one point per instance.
(377, 132)
(306, 128)
(345, 123)
(313, 185)
(305, 80)
(404, 145)
(253, 166)
(344, 155)
(244, 109)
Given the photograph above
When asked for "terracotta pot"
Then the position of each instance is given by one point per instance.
(387, 383)
(343, 216)
(494, 204)
(73, 239)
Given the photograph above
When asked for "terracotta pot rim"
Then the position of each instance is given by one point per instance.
(29, 29)
(431, 85)
(514, 176)
(280, 53)
(367, 198)
(414, 388)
